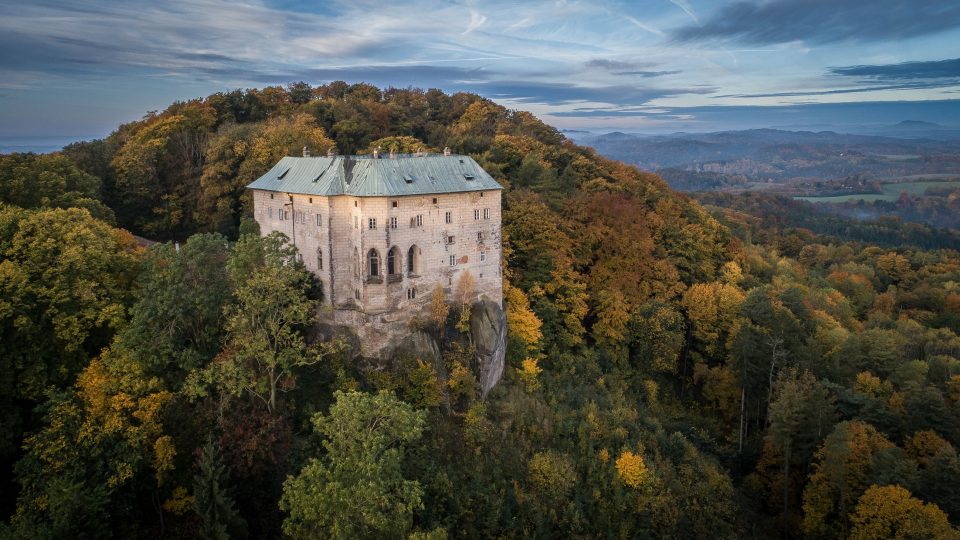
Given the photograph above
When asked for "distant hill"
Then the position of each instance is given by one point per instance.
(780, 156)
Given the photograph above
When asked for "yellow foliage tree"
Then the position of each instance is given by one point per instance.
(631, 469)
(522, 323)
(890, 512)
(528, 373)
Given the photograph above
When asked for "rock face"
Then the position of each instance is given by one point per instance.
(488, 328)
(417, 344)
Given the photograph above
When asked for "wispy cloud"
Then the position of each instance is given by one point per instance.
(685, 6)
(824, 21)
(934, 69)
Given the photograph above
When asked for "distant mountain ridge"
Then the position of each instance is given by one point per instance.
(774, 155)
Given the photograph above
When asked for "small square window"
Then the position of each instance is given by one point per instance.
(435, 200)
(450, 239)
(396, 204)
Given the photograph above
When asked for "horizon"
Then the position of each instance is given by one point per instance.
(79, 71)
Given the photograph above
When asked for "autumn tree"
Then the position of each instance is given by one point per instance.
(891, 512)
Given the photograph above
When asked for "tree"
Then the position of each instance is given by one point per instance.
(439, 309)
(840, 477)
(65, 284)
(265, 326)
(890, 512)
(219, 519)
(358, 489)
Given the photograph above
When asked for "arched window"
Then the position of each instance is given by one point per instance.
(393, 261)
(374, 259)
(412, 259)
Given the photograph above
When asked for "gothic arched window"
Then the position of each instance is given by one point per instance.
(374, 262)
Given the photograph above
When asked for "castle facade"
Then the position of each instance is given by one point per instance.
(381, 232)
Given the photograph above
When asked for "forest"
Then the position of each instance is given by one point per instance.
(721, 368)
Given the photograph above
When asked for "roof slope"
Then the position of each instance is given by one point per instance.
(366, 176)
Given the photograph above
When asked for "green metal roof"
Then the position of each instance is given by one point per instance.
(366, 176)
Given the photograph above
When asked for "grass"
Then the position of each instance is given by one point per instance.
(891, 192)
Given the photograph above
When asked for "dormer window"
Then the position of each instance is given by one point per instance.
(408, 179)
(468, 176)
(284, 173)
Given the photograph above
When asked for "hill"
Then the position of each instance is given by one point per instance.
(673, 370)
(762, 156)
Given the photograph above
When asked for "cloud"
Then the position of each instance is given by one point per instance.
(647, 74)
(566, 93)
(685, 6)
(615, 65)
(916, 85)
(824, 21)
(935, 69)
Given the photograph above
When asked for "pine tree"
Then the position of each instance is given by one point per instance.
(219, 518)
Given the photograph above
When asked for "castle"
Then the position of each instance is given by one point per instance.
(381, 232)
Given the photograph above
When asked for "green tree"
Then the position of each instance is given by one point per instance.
(358, 489)
(265, 340)
(219, 519)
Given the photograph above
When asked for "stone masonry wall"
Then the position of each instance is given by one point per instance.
(379, 308)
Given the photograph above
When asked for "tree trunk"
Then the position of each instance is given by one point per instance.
(743, 408)
(786, 491)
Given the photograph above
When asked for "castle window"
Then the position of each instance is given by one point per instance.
(435, 200)
(393, 261)
(480, 236)
(356, 262)
(449, 217)
(320, 259)
(412, 259)
(354, 204)
(486, 213)
(271, 196)
(453, 260)
(270, 213)
(319, 221)
(416, 221)
(356, 294)
(396, 204)
(311, 200)
(372, 223)
(483, 256)
(374, 262)
(450, 239)
(411, 293)
(481, 194)
(393, 223)
(356, 222)
(476, 214)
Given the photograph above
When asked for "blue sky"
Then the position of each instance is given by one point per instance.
(78, 69)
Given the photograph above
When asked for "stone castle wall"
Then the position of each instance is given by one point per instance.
(380, 308)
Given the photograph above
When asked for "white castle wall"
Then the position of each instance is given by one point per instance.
(387, 303)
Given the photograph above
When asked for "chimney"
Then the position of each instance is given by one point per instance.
(332, 151)
(446, 150)
(306, 151)
(376, 153)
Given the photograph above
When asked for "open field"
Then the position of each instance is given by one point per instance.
(890, 192)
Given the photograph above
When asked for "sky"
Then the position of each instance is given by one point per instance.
(78, 69)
